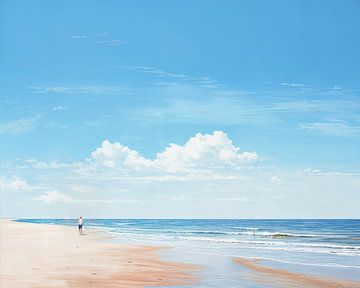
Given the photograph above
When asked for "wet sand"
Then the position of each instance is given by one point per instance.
(283, 278)
(40, 255)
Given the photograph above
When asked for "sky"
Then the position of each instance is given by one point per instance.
(179, 109)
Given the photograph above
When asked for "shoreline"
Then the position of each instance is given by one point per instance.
(284, 278)
(42, 255)
(47, 255)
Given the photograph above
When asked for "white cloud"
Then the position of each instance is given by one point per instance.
(54, 196)
(78, 37)
(204, 151)
(13, 183)
(105, 34)
(81, 188)
(293, 84)
(113, 42)
(155, 71)
(111, 154)
(336, 128)
(237, 199)
(309, 171)
(81, 89)
(337, 87)
(317, 172)
(229, 110)
(19, 126)
(276, 179)
(205, 82)
(58, 108)
(174, 198)
(208, 151)
(51, 165)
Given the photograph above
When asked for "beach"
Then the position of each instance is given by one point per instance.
(40, 255)
(165, 253)
(283, 278)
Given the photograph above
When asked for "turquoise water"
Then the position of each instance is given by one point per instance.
(320, 247)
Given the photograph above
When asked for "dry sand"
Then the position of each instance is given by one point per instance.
(39, 255)
(283, 278)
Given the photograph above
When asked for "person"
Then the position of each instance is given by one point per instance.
(80, 225)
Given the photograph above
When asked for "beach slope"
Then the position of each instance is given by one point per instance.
(281, 278)
(40, 255)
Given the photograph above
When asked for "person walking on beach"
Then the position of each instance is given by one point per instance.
(80, 225)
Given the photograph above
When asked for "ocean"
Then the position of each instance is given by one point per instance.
(329, 248)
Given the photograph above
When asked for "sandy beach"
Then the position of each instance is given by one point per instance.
(40, 255)
(44, 255)
(283, 278)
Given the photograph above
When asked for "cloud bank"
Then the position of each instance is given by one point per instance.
(203, 151)
(193, 179)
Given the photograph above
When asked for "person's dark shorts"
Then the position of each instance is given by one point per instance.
(80, 226)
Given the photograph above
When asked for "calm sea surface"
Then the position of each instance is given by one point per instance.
(321, 247)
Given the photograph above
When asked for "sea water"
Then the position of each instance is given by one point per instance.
(329, 248)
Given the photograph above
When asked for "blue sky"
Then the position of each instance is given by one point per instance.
(279, 79)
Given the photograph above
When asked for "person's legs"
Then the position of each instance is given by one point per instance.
(80, 229)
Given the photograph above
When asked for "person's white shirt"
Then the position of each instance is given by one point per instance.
(81, 221)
